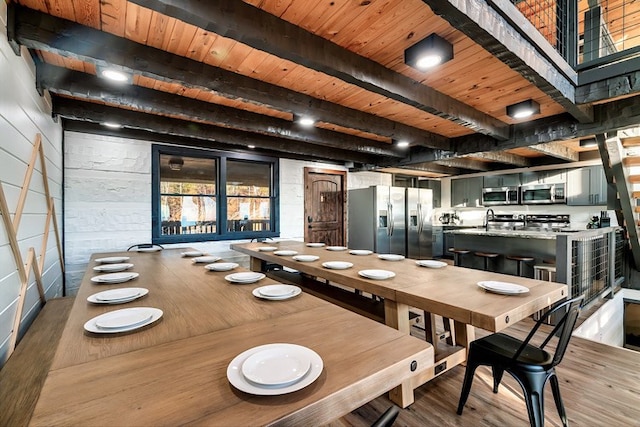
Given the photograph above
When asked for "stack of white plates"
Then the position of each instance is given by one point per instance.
(377, 274)
(360, 252)
(285, 253)
(277, 292)
(244, 277)
(112, 268)
(192, 253)
(124, 320)
(274, 369)
(117, 296)
(112, 259)
(267, 248)
(391, 257)
(315, 245)
(306, 258)
(208, 258)
(337, 248)
(221, 266)
(503, 288)
(430, 263)
(114, 277)
(337, 265)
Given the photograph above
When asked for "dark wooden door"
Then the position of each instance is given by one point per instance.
(324, 206)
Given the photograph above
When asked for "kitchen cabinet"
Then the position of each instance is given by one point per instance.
(438, 242)
(544, 177)
(436, 187)
(466, 192)
(507, 180)
(587, 186)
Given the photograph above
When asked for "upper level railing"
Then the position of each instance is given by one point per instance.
(583, 31)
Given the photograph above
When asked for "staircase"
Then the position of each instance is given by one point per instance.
(621, 160)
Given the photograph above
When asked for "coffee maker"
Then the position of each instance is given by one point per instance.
(448, 218)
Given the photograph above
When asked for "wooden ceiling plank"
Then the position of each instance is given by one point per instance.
(263, 31)
(137, 23)
(88, 11)
(160, 30)
(557, 150)
(62, 81)
(113, 15)
(39, 31)
(503, 157)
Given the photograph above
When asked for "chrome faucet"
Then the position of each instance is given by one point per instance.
(486, 218)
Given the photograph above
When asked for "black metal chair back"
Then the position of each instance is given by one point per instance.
(144, 246)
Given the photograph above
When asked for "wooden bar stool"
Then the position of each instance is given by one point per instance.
(544, 272)
(522, 260)
(457, 255)
(487, 256)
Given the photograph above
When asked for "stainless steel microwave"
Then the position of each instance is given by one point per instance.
(500, 196)
(541, 194)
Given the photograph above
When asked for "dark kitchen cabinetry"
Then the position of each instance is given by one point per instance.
(507, 180)
(466, 192)
(544, 177)
(586, 186)
(438, 241)
(435, 186)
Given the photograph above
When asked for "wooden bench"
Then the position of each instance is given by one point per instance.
(22, 377)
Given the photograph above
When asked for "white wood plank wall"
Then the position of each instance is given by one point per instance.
(23, 114)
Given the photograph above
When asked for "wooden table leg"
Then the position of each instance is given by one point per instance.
(255, 264)
(464, 335)
(397, 316)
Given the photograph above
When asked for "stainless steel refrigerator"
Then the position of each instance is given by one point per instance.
(377, 219)
(419, 226)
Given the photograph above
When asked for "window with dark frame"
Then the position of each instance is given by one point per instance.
(203, 195)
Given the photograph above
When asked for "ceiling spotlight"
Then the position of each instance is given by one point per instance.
(175, 163)
(523, 109)
(114, 75)
(113, 125)
(306, 121)
(403, 144)
(428, 52)
(251, 146)
(588, 143)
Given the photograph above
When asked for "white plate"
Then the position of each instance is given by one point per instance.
(337, 265)
(430, 263)
(113, 267)
(391, 257)
(337, 248)
(360, 252)
(154, 315)
(244, 277)
(503, 288)
(192, 253)
(153, 249)
(112, 259)
(377, 274)
(267, 248)
(235, 377)
(208, 258)
(279, 290)
(306, 258)
(114, 277)
(297, 291)
(285, 253)
(117, 296)
(277, 366)
(315, 245)
(221, 266)
(122, 319)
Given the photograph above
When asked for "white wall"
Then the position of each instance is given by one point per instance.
(23, 114)
(108, 199)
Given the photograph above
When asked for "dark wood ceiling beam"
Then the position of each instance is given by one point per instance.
(466, 163)
(435, 168)
(38, 30)
(502, 157)
(72, 109)
(251, 26)
(84, 86)
(482, 23)
(624, 85)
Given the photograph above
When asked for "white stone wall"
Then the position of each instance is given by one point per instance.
(23, 114)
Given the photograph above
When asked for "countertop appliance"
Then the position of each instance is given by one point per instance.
(496, 196)
(506, 222)
(377, 219)
(544, 222)
(540, 194)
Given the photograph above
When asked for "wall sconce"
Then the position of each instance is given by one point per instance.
(176, 163)
(428, 52)
(588, 143)
(523, 109)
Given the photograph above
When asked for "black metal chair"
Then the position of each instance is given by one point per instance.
(388, 418)
(143, 246)
(532, 366)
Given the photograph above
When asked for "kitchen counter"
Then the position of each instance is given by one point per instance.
(522, 234)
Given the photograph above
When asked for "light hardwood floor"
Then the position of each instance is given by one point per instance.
(600, 386)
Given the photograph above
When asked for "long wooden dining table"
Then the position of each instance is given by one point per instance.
(174, 371)
(451, 292)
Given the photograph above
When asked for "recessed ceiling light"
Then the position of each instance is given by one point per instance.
(403, 144)
(113, 125)
(523, 109)
(114, 75)
(306, 121)
(251, 146)
(428, 53)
